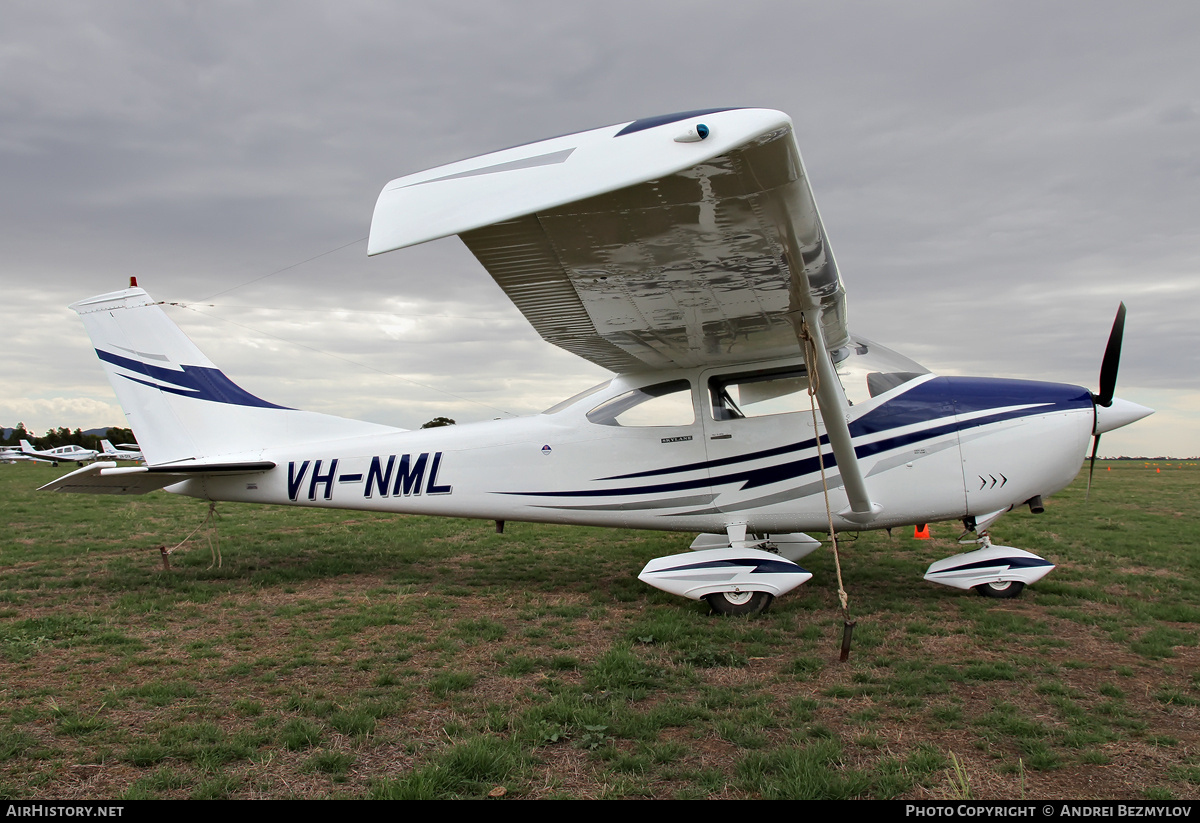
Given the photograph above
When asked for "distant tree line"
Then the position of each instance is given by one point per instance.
(62, 436)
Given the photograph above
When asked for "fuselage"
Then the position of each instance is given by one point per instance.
(704, 449)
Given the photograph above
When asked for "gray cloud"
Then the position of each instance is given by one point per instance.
(995, 178)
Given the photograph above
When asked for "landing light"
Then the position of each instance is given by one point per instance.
(693, 135)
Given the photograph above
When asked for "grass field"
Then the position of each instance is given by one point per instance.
(341, 654)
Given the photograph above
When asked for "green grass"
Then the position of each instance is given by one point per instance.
(342, 654)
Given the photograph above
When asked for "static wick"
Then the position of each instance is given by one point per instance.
(847, 632)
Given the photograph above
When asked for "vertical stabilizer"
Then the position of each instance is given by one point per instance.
(179, 404)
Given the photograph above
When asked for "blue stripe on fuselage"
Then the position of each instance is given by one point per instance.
(934, 401)
(945, 396)
(937, 399)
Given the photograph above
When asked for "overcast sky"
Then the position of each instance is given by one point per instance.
(994, 177)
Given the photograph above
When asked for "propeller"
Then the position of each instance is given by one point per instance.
(1108, 381)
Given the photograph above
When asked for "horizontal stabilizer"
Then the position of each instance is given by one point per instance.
(107, 478)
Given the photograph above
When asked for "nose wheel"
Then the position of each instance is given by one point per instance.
(739, 603)
(1001, 572)
(1003, 590)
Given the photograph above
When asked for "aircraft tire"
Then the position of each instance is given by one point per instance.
(1003, 590)
(735, 604)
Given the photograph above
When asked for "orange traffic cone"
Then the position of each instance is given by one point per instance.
(921, 532)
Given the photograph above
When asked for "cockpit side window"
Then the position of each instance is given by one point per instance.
(759, 394)
(879, 382)
(662, 404)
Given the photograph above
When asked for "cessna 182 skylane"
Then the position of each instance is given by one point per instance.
(686, 254)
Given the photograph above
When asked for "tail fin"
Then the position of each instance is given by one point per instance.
(181, 406)
(106, 448)
(25, 447)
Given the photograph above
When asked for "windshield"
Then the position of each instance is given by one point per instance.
(868, 369)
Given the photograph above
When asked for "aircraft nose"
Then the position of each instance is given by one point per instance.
(1120, 413)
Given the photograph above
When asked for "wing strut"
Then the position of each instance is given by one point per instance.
(832, 403)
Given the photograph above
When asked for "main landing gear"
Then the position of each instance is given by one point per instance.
(737, 573)
(741, 574)
(739, 603)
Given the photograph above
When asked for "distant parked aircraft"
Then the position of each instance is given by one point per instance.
(63, 454)
(11, 454)
(124, 451)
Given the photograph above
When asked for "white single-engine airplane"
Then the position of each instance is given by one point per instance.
(686, 254)
(61, 454)
(125, 451)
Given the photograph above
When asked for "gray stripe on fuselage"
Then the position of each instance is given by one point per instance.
(904, 459)
(835, 482)
(693, 500)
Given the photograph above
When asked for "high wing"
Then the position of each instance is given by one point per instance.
(676, 241)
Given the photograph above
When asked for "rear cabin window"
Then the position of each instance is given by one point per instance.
(573, 399)
(663, 404)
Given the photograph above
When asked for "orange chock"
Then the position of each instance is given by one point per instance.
(921, 532)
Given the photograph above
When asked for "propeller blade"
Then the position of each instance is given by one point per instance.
(1112, 360)
(1092, 467)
